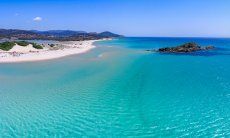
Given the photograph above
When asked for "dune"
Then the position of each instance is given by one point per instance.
(28, 53)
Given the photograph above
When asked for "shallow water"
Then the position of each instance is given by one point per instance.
(119, 91)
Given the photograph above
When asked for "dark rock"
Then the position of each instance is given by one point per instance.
(209, 48)
(185, 48)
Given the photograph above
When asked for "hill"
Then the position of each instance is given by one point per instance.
(60, 35)
(108, 34)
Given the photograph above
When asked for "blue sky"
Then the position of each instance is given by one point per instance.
(188, 18)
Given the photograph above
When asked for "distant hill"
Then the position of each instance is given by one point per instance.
(60, 35)
(9, 32)
(108, 34)
(20, 34)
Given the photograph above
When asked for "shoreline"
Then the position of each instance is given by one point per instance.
(26, 54)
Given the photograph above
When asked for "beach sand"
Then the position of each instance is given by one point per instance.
(28, 53)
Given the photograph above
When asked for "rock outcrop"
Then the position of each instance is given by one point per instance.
(185, 48)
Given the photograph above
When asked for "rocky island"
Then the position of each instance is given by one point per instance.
(185, 48)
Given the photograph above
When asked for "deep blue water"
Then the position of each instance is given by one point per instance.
(120, 90)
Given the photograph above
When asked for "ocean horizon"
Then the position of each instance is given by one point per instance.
(119, 89)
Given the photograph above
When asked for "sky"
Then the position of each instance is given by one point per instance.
(157, 18)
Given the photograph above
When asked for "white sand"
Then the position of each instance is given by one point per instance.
(23, 49)
(28, 53)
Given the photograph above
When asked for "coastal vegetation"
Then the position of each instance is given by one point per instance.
(31, 52)
(37, 46)
(6, 46)
(51, 45)
(22, 43)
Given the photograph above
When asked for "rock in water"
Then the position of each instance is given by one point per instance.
(209, 47)
(185, 48)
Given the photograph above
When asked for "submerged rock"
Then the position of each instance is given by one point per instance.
(208, 47)
(185, 48)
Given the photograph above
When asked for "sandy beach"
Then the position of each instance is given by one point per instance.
(28, 53)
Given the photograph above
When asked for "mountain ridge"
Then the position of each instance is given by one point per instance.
(62, 35)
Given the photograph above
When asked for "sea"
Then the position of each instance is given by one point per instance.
(119, 89)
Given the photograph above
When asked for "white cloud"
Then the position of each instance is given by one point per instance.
(37, 19)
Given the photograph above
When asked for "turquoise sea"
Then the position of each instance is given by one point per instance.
(120, 90)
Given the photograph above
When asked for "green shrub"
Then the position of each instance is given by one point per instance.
(22, 43)
(37, 46)
(52, 45)
(6, 46)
